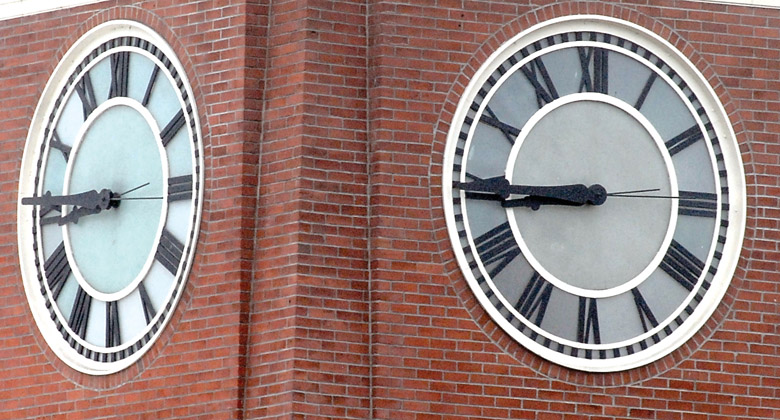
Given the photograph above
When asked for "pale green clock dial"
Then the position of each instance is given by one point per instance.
(118, 123)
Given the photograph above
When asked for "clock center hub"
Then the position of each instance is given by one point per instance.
(119, 151)
(594, 250)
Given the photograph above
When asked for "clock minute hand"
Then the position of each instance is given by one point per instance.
(571, 194)
(562, 195)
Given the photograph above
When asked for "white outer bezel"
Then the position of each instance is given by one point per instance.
(731, 158)
(59, 78)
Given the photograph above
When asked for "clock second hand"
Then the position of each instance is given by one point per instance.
(121, 197)
(638, 194)
(133, 189)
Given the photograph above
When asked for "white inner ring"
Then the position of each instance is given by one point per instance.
(512, 213)
(132, 285)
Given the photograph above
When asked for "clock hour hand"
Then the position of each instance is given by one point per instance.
(571, 195)
(568, 195)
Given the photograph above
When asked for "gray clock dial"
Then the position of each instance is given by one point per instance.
(592, 194)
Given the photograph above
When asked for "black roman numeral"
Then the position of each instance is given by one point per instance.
(645, 90)
(497, 246)
(698, 204)
(179, 188)
(588, 321)
(545, 89)
(120, 72)
(596, 59)
(169, 251)
(113, 336)
(684, 139)
(87, 94)
(534, 299)
(79, 317)
(509, 131)
(59, 145)
(146, 303)
(682, 266)
(173, 127)
(150, 86)
(645, 314)
(57, 270)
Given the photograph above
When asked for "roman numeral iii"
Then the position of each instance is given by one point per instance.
(179, 188)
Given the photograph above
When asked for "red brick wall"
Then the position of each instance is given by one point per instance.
(309, 349)
(194, 370)
(324, 284)
(437, 354)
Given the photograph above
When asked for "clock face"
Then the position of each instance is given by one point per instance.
(110, 198)
(594, 193)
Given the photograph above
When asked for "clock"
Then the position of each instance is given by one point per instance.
(110, 197)
(594, 193)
